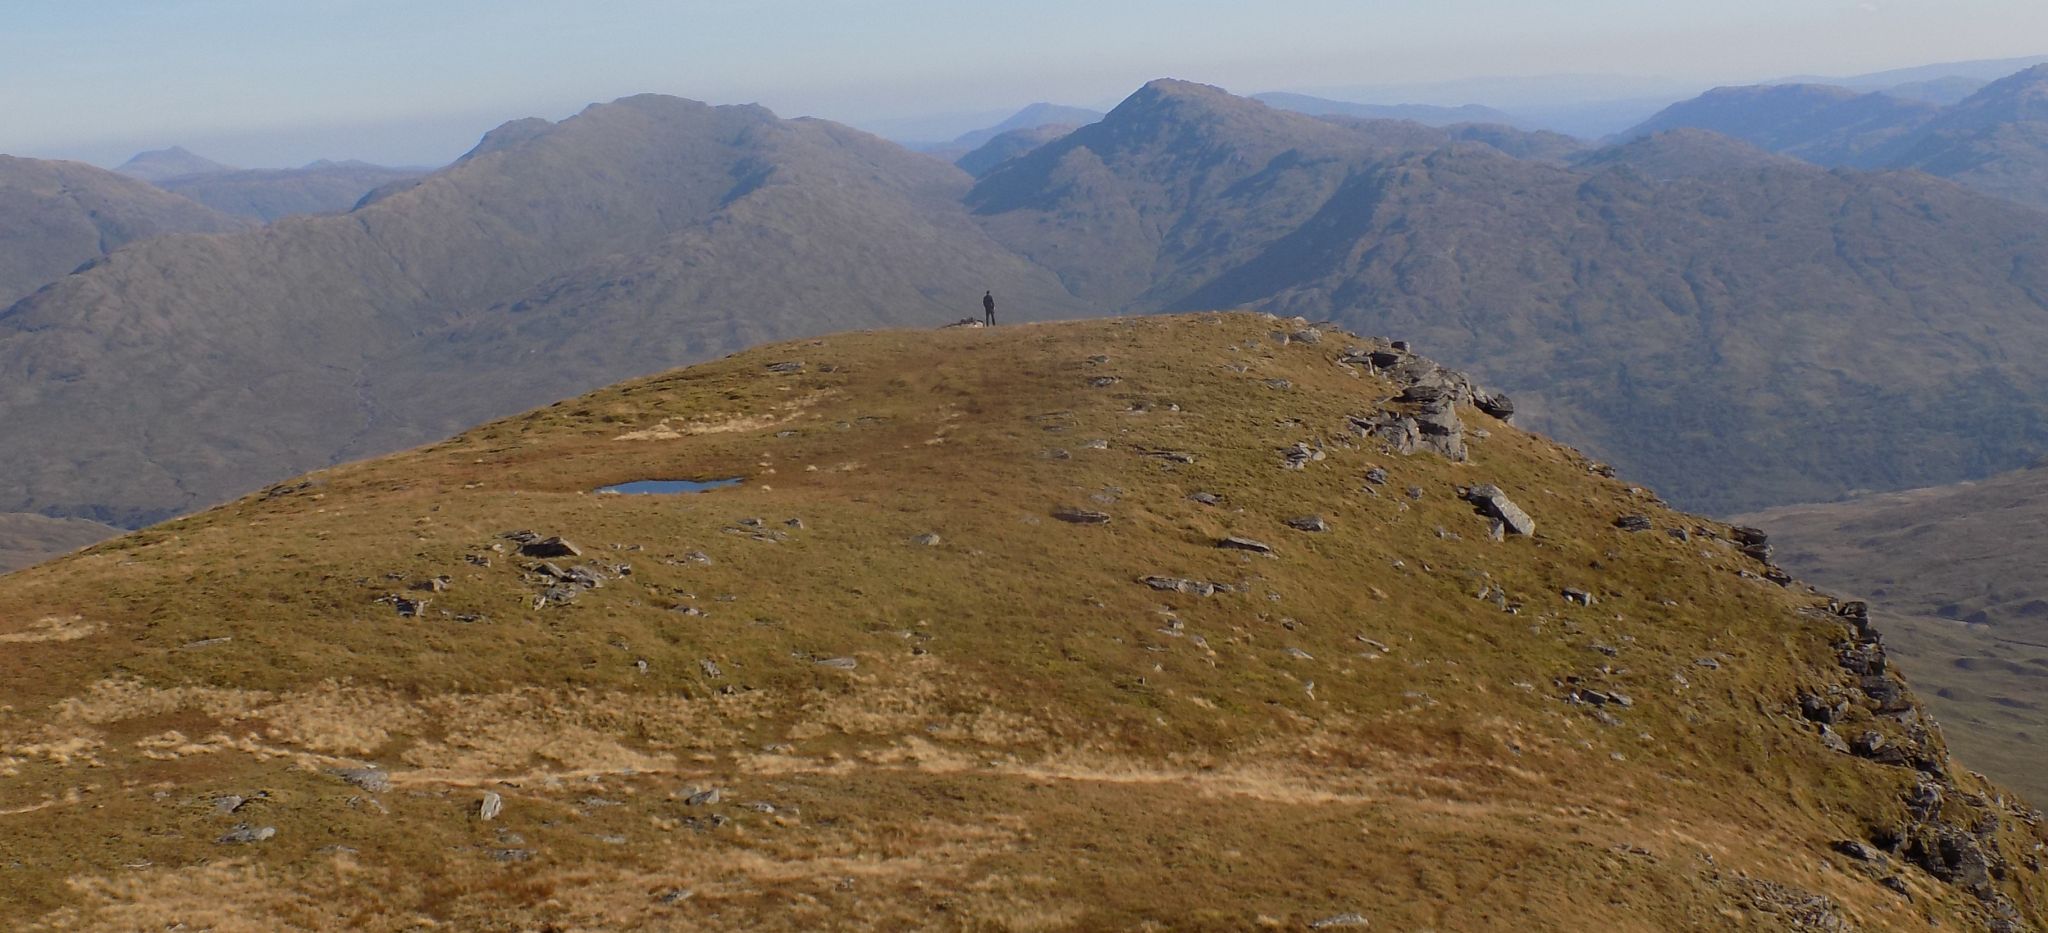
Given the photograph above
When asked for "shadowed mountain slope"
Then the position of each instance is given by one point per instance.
(270, 194)
(1008, 146)
(680, 230)
(56, 216)
(964, 635)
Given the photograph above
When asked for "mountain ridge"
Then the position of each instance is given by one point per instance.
(1261, 625)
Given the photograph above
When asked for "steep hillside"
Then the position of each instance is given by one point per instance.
(624, 240)
(1735, 328)
(1035, 120)
(1008, 146)
(961, 650)
(1996, 141)
(270, 194)
(57, 216)
(1961, 567)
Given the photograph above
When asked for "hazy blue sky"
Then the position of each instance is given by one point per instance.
(277, 81)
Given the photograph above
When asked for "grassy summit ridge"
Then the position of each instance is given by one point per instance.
(881, 684)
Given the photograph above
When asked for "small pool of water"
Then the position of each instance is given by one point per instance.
(667, 487)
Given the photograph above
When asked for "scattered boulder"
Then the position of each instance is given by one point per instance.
(705, 798)
(927, 539)
(839, 664)
(1104, 382)
(1583, 598)
(1207, 498)
(1633, 523)
(374, 780)
(786, 367)
(1496, 504)
(1236, 543)
(1310, 523)
(550, 547)
(243, 834)
(1075, 516)
(1179, 585)
(1299, 456)
(489, 808)
(1376, 476)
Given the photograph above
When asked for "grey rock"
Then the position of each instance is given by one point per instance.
(1496, 504)
(244, 834)
(374, 780)
(557, 596)
(839, 664)
(1339, 921)
(1234, 542)
(1104, 382)
(1207, 498)
(489, 808)
(1494, 404)
(1180, 585)
(1310, 336)
(705, 798)
(1749, 537)
(1299, 456)
(710, 668)
(1633, 523)
(1376, 476)
(1171, 456)
(511, 855)
(550, 547)
(1708, 663)
(1280, 384)
(1858, 851)
(1075, 516)
(1311, 523)
(1583, 598)
(927, 539)
(1833, 741)
(786, 367)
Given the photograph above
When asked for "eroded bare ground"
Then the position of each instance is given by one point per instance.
(962, 652)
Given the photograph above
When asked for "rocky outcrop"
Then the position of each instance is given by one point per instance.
(1424, 415)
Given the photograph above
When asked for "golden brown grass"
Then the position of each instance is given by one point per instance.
(1027, 741)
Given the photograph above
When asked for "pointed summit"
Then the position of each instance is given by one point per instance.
(175, 162)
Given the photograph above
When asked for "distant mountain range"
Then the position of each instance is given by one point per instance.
(1994, 140)
(56, 216)
(322, 187)
(1425, 114)
(1736, 328)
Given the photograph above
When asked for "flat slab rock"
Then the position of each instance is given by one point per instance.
(1081, 516)
(1496, 504)
(1235, 543)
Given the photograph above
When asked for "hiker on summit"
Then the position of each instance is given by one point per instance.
(988, 308)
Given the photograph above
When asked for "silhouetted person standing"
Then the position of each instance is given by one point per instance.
(988, 308)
